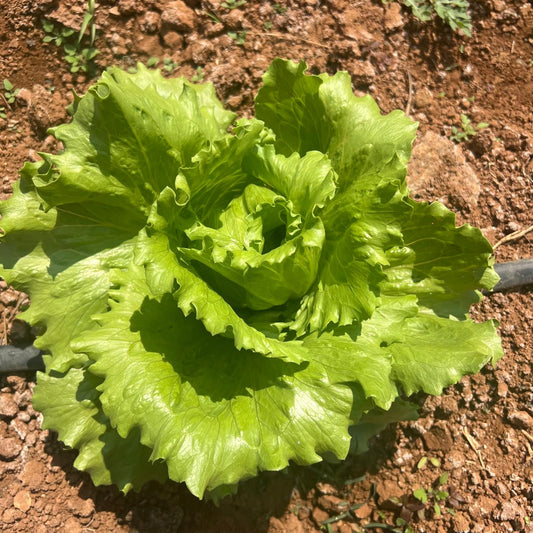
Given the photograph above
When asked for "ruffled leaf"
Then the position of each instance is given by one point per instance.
(214, 414)
(71, 406)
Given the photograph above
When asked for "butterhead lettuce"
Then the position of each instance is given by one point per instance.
(217, 296)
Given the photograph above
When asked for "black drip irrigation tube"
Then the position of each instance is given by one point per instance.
(29, 359)
(15, 359)
(514, 274)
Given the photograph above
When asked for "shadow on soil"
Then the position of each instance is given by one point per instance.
(170, 507)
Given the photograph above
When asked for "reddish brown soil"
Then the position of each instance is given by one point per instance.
(480, 433)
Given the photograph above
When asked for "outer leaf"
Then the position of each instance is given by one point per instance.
(127, 139)
(71, 402)
(62, 261)
(443, 265)
(368, 365)
(213, 413)
(428, 352)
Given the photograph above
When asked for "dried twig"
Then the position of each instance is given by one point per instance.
(528, 436)
(5, 101)
(513, 236)
(474, 445)
(529, 449)
(410, 97)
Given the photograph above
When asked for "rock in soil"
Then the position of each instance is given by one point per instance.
(520, 419)
(8, 407)
(10, 447)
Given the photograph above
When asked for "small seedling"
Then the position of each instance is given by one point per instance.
(8, 96)
(213, 17)
(79, 55)
(169, 65)
(80, 59)
(452, 12)
(279, 9)
(238, 36)
(88, 22)
(434, 497)
(467, 129)
(199, 76)
(152, 62)
(421, 465)
(9, 92)
(59, 35)
(347, 513)
(233, 4)
(267, 25)
(402, 523)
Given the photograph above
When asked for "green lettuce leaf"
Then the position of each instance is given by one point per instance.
(213, 413)
(369, 153)
(81, 424)
(217, 298)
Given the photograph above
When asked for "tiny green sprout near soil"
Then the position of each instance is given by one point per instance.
(152, 61)
(238, 36)
(425, 503)
(435, 498)
(80, 53)
(467, 130)
(169, 64)
(8, 94)
(454, 13)
(279, 8)
(221, 296)
(198, 77)
(233, 4)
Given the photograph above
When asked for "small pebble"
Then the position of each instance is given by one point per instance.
(9, 448)
(22, 500)
(8, 407)
(520, 419)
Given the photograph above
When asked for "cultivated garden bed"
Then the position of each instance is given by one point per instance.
(466, 463)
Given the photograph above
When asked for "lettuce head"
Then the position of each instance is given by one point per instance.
(217, 296)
